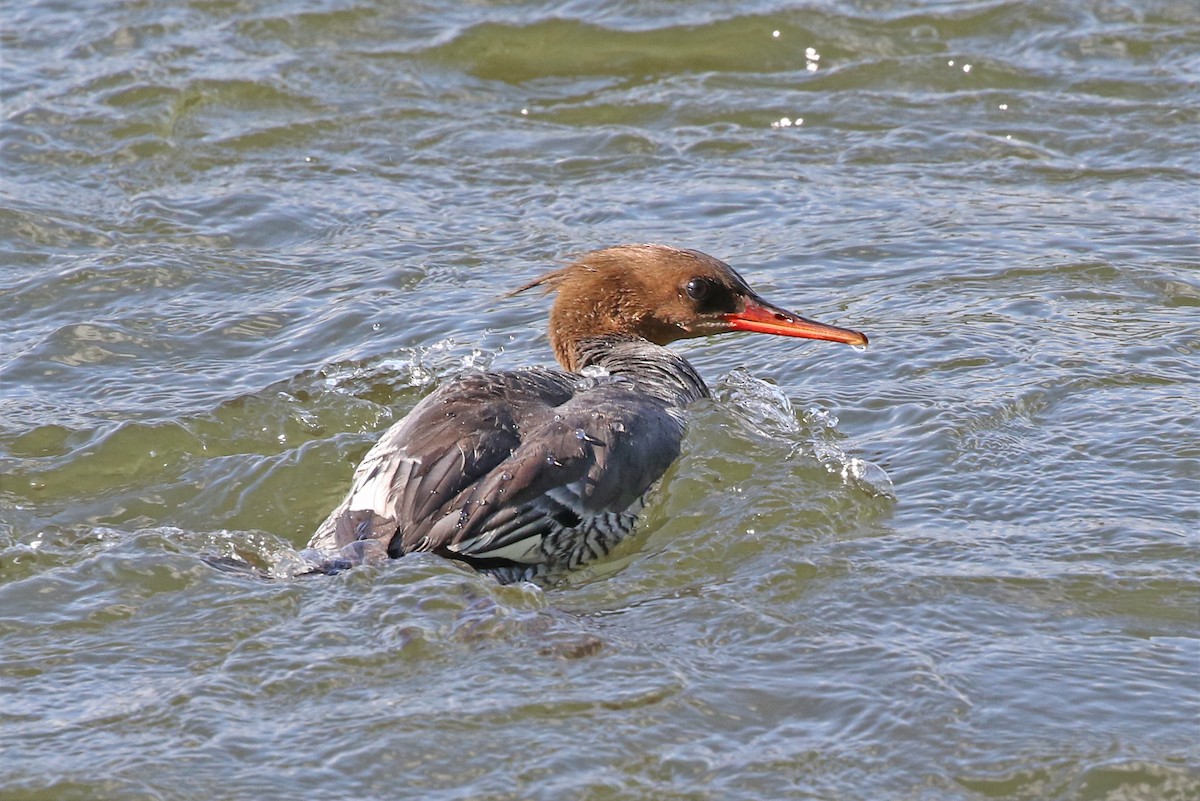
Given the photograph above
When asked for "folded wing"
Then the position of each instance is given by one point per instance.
(492, 466)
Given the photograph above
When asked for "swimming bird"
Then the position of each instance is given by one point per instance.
(525, 473)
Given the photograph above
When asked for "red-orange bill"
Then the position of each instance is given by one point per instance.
(763, 318)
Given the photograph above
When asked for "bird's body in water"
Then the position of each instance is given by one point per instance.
(528, 472)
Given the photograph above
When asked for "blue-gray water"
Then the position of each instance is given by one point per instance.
(242, 238)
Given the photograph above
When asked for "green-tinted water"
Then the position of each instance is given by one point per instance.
(241, 239)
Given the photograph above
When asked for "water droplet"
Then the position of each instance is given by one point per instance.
(926, 33)
(869, 477)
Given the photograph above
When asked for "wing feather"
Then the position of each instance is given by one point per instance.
(595, 455)
(449, 440)
(491, 464)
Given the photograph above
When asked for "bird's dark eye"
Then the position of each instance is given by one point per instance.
(699, 289)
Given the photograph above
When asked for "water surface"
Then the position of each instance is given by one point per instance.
(242, 239)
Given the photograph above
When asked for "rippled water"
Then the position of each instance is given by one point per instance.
(242, 238)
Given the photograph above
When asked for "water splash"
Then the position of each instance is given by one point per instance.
(763, 406)
(418, 367)
(766, 409)
(854, 470)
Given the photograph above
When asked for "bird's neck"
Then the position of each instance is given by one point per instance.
(658, 371)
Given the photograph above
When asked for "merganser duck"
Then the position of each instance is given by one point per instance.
(525, 473)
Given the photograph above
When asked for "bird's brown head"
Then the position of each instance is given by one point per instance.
(662, 294)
